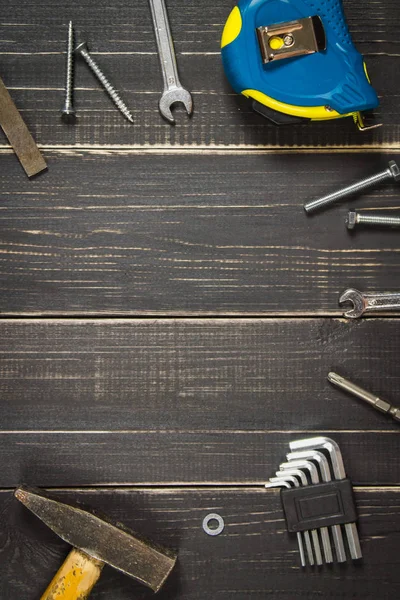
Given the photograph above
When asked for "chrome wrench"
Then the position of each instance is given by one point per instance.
(367, 303)
(173, 90)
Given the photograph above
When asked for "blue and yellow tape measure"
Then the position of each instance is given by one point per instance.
(296, 61)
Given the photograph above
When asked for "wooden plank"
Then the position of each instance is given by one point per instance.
(253, 558)
(197, 375)
(130, 458)
(116, 233)
(193, 401)
(33, 41)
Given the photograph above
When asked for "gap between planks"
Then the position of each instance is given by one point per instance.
(167, 149)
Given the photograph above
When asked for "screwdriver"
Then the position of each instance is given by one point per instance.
(371, 399)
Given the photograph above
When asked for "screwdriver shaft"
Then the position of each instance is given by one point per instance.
(359, 392)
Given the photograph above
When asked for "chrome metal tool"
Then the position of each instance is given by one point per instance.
(374, 401)
(324, 468)
(363, 303)
(301, 479)
(332, 448)
(173, 90)
(275, 482)
(318, 503)
(313, 473)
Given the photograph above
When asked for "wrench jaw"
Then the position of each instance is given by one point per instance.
(174, 96)
(355, 298)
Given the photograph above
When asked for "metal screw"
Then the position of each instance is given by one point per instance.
(355, 218)
(68, 114)
(82, 50)
(288, 40)
(392, 172)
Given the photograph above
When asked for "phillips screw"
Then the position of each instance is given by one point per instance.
(82, 50)
(355, 218)
(68, 114)
(371, 399)
(391, 173)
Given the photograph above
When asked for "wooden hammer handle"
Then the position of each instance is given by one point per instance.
(75, 578)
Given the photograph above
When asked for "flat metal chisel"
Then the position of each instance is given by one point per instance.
(18, 135)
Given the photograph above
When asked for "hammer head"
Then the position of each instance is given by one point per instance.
(100, 539)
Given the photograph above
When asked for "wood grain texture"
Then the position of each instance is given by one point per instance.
(204, 218)
(194, 401)
(254, 557)
(112, 233)
(32, 42)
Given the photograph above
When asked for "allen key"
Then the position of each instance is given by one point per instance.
(283, 483)
(299, 475)
(330, 446)
(313, 471)
(323, 464)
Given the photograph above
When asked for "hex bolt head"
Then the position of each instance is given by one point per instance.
(395, 170)
(351, 219)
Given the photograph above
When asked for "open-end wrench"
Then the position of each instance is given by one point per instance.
(366, 303)
(324, 467)
(173, 90)
(339, 472)
(275, 482)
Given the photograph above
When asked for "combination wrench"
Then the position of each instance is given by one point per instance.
(367, 303)
(173, 90)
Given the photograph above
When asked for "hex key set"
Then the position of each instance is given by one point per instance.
(317, 499)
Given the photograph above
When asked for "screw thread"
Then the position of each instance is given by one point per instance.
(111, 91)
(68, 112)
(378, 220)
(70, 64)
(348, 191)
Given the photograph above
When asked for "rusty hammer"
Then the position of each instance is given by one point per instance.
(95, 542)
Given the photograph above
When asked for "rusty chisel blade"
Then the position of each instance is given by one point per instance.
(18, 135)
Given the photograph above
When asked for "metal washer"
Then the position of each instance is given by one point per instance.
(213, 517)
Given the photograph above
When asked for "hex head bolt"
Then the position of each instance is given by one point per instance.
(83, 52)
(355, 218)
(68, 114)
(389, 174)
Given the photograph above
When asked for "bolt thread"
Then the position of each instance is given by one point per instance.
(378, 220)
(111, 91)
(346, 192)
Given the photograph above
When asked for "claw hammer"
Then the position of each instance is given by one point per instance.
(96, 542)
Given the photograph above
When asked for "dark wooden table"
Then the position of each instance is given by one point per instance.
(169, 314)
